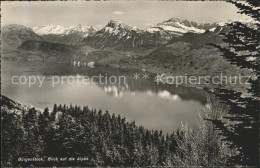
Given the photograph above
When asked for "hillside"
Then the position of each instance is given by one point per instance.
(47, 51)
(191, 54)
(12, 36)
(95, 138)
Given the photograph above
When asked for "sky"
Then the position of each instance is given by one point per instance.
(134, 13)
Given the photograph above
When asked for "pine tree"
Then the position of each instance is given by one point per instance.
(46, 113)
(104, 139)
(242, 127)
(11, 138)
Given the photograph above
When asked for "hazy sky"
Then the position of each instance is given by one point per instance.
(134, 13)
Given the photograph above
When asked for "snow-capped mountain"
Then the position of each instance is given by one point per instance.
(177, 27)
(222, 27)
(118, 29)
(117, 34)
(58, 29)
(66, 35)
(49, 29)
(120, 35)
(86, 30)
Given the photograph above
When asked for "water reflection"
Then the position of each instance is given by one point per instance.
(155, 106)
(137, 85)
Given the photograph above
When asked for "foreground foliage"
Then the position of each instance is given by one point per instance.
(103, 139)
(242, 49)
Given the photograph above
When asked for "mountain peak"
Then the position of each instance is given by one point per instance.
(119, 26)
(178, 27)
(79, 26)
(173, 19)
(113, 23)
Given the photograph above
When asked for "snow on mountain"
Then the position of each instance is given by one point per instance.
(212, 29)
(116, 28)
(98, 27)
(223, 26)
(60, 30)
(71, 35)
(178, 27)
(49, 29)
(86, 30)
(246, 19)
(117, 34)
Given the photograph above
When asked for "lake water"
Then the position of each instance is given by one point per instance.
(155, 106)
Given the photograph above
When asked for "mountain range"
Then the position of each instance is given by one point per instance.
(66, 35)
(113, 35)
(114, 42)
(114, 39)
(177, 27)
(118, 35)
(173, 46)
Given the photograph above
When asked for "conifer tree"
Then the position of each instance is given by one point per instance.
(242, 49)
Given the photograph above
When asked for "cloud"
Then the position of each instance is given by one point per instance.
(118, 13)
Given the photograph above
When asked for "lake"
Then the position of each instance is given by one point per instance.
(152, 105)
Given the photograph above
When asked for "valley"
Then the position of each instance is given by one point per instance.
(130, 84)
(170, 47)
